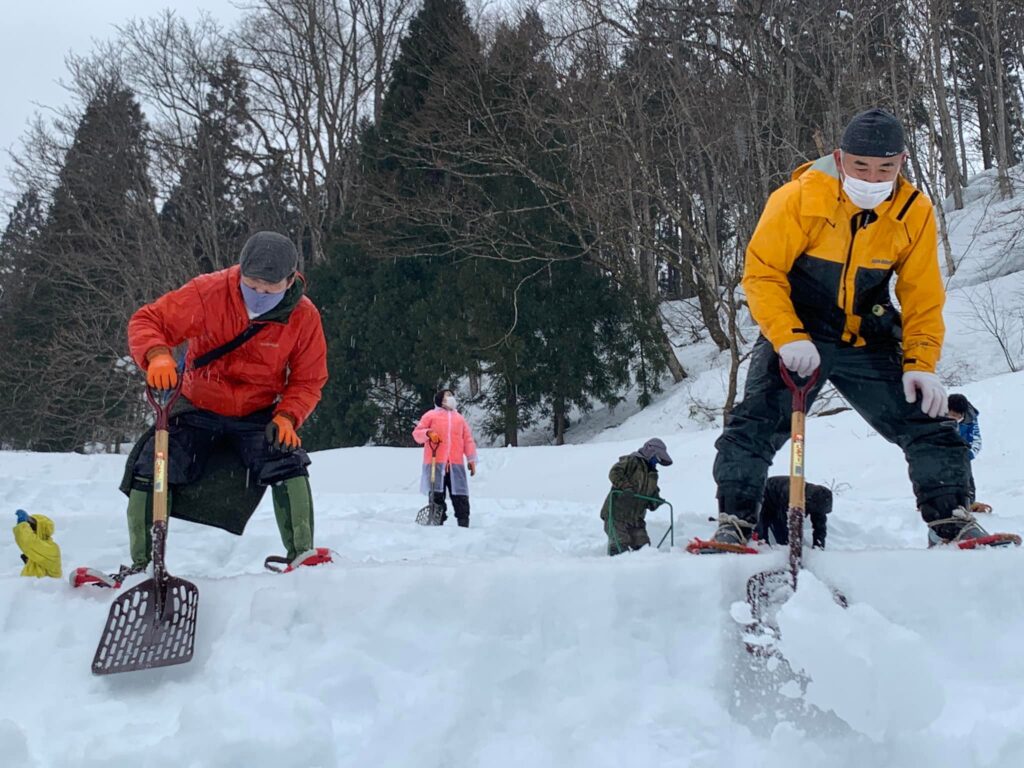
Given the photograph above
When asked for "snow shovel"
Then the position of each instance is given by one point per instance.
(766, 591)
(432, 514)
(153, 624)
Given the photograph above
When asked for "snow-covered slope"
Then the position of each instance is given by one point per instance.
(517, 642)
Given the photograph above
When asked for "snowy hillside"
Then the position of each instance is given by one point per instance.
(984, 318)
(517, 642)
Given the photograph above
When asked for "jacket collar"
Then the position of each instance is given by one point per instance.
(279, 314)
(823, 194)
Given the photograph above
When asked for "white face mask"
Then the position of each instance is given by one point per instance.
(450, 402)
(866, 194)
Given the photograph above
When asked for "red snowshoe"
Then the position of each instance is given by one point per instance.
(84, 576)
(311, 557)
(961, 530)
(990, 540)
(712, 547)
(730, 537)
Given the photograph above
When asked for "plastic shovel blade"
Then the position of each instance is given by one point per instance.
(429, 515)
(144, 631)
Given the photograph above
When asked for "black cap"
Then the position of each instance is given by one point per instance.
(874, 133)
(269, 256)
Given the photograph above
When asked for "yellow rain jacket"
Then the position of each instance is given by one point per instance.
(818, 267)
(39, 547)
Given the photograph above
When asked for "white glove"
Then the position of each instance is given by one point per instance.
(801, 357)
(933, 394)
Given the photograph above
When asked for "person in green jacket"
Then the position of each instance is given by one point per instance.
(39, 552)
(635, 475)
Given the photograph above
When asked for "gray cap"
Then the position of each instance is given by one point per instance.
(655, 449)
(269, 256)
(873, 133)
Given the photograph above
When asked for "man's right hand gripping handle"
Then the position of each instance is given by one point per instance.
(162, 372)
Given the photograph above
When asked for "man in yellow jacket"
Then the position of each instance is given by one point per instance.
(39, 552)
(816, 276)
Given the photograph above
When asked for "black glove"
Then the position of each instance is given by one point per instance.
(24, 559)
(658, 501)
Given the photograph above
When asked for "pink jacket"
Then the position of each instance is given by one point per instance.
(457, 443)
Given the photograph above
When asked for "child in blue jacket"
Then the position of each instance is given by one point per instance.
(966, 417)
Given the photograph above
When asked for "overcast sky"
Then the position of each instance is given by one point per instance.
(35, 36)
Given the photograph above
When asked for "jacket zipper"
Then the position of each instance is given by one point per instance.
(854, 228)
(449, 457)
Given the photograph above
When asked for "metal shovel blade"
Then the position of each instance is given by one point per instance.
(149, 626)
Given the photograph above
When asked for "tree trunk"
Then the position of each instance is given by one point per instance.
(960, 127)
(674, 366)
(511, 415)
(1003, 150)
(947, 143)
(558, 406)
(981, 100)
(707, 298)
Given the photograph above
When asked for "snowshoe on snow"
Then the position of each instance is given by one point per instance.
(731, 536)
(85, 576)
(961, 530)
(311, 557)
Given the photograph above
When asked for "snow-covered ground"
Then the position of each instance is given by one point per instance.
(517, 642)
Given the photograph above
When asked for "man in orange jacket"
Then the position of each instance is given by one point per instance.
(254, 370)
(817, 275)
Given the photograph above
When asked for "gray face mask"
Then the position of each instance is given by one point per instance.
(260, 303)
(450, 403)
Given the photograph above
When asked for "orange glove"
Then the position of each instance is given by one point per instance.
(472, 469)
(281, 434)
(162, 372)
(433, 437)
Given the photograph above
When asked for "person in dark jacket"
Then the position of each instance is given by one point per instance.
(625, 515)
(773, 517)
(963, 412)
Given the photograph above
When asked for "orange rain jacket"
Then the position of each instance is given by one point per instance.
(285, 363)
(817, 266)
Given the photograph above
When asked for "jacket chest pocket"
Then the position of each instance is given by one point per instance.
(265, 354)
(880, 245)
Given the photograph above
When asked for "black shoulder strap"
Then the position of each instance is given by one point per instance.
(906, 206)
(231, 346)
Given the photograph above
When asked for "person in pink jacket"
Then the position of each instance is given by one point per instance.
(443, 429)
